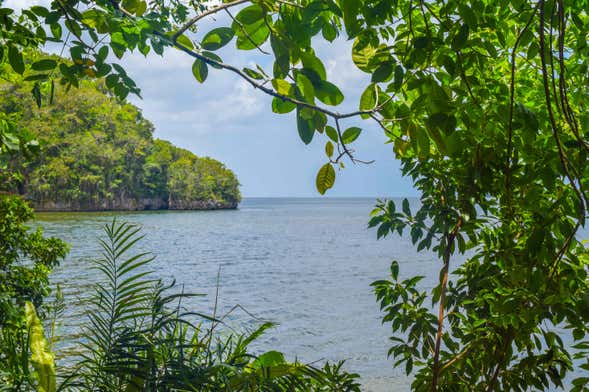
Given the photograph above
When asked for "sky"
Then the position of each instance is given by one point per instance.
(226, 119)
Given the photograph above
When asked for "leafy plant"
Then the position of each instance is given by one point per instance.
(139, 338)
(26, 259)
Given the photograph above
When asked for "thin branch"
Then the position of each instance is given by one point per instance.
(551, 117)
(457, 357)
(242, 28)
(260, 86)
(450, 237)
(508, 173)
(208, 12)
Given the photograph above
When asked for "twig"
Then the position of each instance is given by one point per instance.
(211, 11)
(445, 270)
(242, 28)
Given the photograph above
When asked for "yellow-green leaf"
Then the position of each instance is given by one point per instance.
(332, 133)
(351, 134)
(329, 149)
(282, 87)
(41, 358)
(185, 41)
(325, 178)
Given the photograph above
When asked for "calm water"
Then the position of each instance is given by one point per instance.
(305, 264)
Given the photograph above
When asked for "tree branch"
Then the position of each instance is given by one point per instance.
(450, 237)
(208, 12)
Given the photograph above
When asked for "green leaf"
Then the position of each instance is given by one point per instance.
(44, 65)
(282, 87)
(35, 77)
(250, 15)
(312, 62)
(329, 93)
(461, 37)
(351, 134)
(103, 53)
(332, 133)
(281, 107)
(319, 121)
(329, 32)
(16, 60)
(214, 57)
(200, 70)
(217, 38)
(394, 270)
(268, 359)
(56, 30)
(351, 10)
(398, 78)
(305, 87)
(363, 53)
(185, 41)
(251, 36)
(368, 99)
(253, 74)
(329, 149)
(406, 208)
(305, 127)
(325, 178)
(73, 27)
(383, 73)
(141, 8)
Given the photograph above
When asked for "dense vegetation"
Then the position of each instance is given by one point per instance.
(485, 104)
(99, 154)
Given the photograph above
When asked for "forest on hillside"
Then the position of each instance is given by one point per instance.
(99, 153)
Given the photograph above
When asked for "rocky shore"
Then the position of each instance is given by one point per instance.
(130, 205)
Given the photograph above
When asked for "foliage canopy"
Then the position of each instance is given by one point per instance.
(98, 152)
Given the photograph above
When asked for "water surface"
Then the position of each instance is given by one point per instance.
(306, 264)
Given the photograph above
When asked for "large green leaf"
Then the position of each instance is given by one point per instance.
(329, 93)
(44, 65)
(305, 127)
(250, 27)
(200, 70)
(281, 106)
(217, 38)
(332, 133)
(368, 99)
(351, 134)
(305, 87)
(312, 62)
(15, 58)
(250, 15)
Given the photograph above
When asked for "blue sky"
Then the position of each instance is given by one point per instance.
(230, 121)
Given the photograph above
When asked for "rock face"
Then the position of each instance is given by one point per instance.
(129, 204)
(201, 205)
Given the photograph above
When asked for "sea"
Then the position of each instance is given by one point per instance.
(305, 264)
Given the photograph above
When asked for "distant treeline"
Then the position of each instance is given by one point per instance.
(98, 153)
